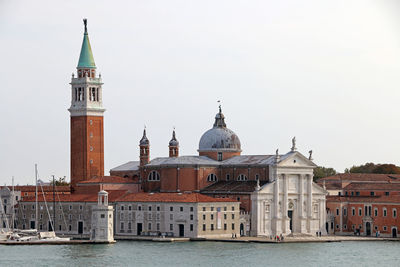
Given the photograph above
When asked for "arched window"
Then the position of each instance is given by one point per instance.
(154, 176)
(242, 177)
(212, 177)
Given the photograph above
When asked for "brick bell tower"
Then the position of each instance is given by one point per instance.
(87, 140)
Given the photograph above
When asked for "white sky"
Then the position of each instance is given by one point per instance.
(326, 72)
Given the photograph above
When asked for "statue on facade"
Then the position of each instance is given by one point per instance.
(294, 144)
(310, 157)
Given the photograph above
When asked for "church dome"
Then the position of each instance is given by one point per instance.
(219, 138)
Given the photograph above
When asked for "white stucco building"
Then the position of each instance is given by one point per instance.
(291, 203)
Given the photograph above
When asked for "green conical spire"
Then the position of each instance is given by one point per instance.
(86, 59)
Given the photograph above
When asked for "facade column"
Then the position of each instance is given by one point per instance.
(285, 204)
(309, 202)
(301, 196)
(276, 198)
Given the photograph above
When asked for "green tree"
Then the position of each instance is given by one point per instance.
(61, 181)
(375, 168)
(321, 172)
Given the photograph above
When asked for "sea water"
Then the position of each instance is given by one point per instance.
(145, 253)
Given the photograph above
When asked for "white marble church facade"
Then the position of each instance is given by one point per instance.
(291, 203)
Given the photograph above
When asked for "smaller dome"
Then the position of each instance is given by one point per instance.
(174, 141)
(144, 141)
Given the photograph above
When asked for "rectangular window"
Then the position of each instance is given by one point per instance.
(386, 193)
(225, 226)
(353, 211)
(228, 177)
(158, 227)
(122, 226)
(181, 208)
(204, 216)
(204, 227)
(139, 207)
(233, 208)
(352, 193)
(359, 212)
(212, 208)
(171, 216)
(233, 216)
(149, 227)
(224, 216)
(212, 227)
(225, 208)
(191, 217)
(394, 213)
(372, 193)
(233, 226)
(70, 228)
(212, 216)
(149, 208)
(171, 208)
(158, 208)
(129, 207)
(384, 213)
(191, 227)
(357, 193)
(337, 212)
(219, 156)
(191, 208)
(80, 207)
(70, 207)
(171, 227)
(375, 212)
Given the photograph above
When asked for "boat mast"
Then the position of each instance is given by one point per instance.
(12, 205)
(36, 200)
(54, 204)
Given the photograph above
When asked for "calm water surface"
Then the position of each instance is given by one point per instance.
(130, 253)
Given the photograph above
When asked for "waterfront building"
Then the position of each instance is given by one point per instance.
(363, 204)
(221, 171)
(176, 214)
(8, 200)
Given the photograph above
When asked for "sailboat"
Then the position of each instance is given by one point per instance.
(32, 235)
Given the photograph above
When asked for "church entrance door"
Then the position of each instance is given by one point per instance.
(290, 215)
(394, 233)
(368, 228)
(241, 229)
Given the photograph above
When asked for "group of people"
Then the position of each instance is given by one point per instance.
(234, 236)
(277, 238)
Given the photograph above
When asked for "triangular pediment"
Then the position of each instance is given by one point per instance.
(296, 159)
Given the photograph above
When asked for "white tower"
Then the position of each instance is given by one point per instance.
(102, 220)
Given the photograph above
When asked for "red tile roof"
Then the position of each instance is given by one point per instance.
(171, 197)
(112, 197)
(108, 180)
(373, 186)
(362, 177)
(32, 188)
